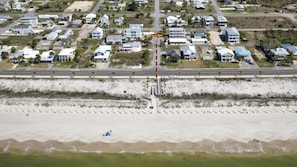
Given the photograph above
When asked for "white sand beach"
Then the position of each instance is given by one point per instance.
(142, 119)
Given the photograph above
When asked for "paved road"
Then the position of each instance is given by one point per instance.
(216, 7)
(97, 6)
(150, 73)
(157, 16)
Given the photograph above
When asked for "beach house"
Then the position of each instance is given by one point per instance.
(22, 29)
(104, 21)
(222, 21)
(225, 54)
(97, 33)
(231, 35)
(177, 35)
(113, 39)
(29, 20)
(189, 52)
(279, 53)
(131, 47)
(102, 53)
(90, 18)
(66, 54)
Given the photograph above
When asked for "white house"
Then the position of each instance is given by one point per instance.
(225, 54)
(22, 29)
(104, 21)
(97, 33)
(177, 35)
(29, 53)
(131, 47)
(66, 35)
(51, 36)
(30, 20)
(112, 39)
(47, 56)
(102, 53)
(280, 53)
(132, 33)
(231, 35)
(140, 1)
(175, 21)
(90, 18)
(66, 54)
(189, 52)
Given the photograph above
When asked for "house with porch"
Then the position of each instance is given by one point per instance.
(177, 35)
(97, 33)
(231, 35)
(132, 33)
(66, 54)
(102, 53)
(225, 54)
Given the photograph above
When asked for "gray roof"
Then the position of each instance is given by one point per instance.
(222, 19)
(22, 26)
(232, 31)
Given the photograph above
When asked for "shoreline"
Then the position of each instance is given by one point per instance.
(204, 146)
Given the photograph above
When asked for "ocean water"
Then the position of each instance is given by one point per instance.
(65, 159)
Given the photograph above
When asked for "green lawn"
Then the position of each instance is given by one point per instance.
(202, 64)
(146, 160)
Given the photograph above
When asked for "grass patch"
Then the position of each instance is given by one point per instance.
(253, 22)
(5, 64)
(63, 64)
(145, 160)
(18, 40)
(130, 59)
(264, 63)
